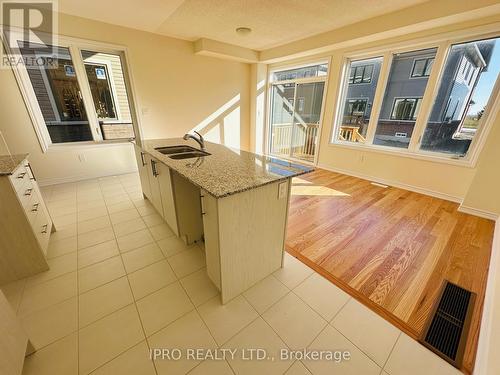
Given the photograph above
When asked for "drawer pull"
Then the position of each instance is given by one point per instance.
(32, 177)
(35, 207)
(28, 192)
(44, 228)
(21, 175)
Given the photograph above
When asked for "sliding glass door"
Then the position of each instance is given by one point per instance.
(308, 103)
(295, 112)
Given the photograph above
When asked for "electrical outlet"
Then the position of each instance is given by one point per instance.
(282, 188)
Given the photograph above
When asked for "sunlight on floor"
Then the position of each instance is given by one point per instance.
(304, 187)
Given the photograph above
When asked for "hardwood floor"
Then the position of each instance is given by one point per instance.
(390, 248)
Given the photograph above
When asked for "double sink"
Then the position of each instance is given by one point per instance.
(181, 152)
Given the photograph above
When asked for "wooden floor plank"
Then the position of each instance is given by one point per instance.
(389, 248)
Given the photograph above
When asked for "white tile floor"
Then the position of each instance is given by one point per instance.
(121, 283)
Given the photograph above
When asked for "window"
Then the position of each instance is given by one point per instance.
(303, 72)
(59, 96)
(405, 109)
(422, 67)
(76, 95)
(463, 95)
(361, 74)
(295, 112)
(404, 118)
(109, 94)
(358, 99)
(401, 104)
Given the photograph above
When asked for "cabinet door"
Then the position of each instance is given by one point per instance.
(211, 234)
(167, 197)
(142, 165)
(153, 173)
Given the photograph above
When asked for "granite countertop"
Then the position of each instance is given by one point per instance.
(227, 170)
(9, 163)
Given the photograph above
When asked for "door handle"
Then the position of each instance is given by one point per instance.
(35, 207)
(28, 192)
(201, 205)
(142, 159)
(44, 228)
(32, 173)
(21, 175)
(153, 168)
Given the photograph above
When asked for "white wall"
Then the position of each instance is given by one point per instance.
(176, 91)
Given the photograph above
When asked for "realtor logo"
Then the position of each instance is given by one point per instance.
(28, 29)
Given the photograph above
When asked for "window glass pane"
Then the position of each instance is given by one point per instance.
(281, 118)
(305, 72)
(358, 102)
(461, 99)
(418, 68)
(58, 94)
(109, 93)
(428, 67)
(367, 75)
(399, 109)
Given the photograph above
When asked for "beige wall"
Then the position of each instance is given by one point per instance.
(176, 91)
(483, 193)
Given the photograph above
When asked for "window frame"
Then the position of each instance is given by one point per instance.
(407, 98)
(362, 82)
(426, 59)
(75, 47)
(443, 45)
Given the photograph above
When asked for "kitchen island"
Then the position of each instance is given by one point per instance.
(234, 201)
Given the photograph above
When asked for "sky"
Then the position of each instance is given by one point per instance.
(487, 81)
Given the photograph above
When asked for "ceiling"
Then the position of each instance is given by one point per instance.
(273, 22)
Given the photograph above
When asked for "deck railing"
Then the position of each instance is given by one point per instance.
(351, 134)
(303, 144)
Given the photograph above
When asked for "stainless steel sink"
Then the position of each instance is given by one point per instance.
(175, 149)
(188, 155)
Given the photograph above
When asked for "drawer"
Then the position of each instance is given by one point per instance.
(19, 177)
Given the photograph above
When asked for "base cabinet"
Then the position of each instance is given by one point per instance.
(143, 168)
(167, 197)
(25, 226)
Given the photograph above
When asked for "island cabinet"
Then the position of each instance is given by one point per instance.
(244, 236)
(174, 198)
(235, 201)
(25, 224)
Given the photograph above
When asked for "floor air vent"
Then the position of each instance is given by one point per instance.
(448, 326)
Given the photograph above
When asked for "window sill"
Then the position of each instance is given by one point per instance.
(439, 158)
(58, 147)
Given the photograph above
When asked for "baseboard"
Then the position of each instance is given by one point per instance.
(487, 358)
(65, 180)
(477, 212)
(400, 185)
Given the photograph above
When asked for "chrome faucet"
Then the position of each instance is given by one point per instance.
(200, 140)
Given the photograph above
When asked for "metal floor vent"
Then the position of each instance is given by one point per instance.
(447, 329)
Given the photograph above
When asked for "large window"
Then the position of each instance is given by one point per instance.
(403, 113)
(469, 75)
(295, 111)
(359, 98)
(76, 94)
